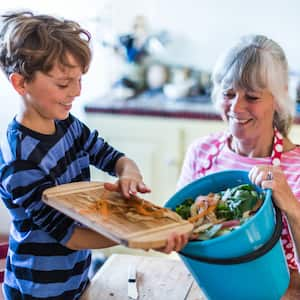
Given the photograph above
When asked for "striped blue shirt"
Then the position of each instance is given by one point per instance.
(39, 266)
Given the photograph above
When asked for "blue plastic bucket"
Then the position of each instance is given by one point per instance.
(248, 263)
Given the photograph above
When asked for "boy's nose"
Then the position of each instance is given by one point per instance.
(75, 89)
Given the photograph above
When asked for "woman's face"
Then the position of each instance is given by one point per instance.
(249, 114)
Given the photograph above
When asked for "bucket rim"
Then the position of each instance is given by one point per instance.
(232, 234)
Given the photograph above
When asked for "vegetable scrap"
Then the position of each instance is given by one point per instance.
(217, 214)
(134, 209)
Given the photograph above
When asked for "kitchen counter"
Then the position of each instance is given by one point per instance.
(188, 108)
(159, 106)
(157, 278)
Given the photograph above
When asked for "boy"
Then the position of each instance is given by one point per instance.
(44, 59)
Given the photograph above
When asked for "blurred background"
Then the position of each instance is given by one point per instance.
(154, 49)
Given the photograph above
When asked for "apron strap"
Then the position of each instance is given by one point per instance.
(277, 148)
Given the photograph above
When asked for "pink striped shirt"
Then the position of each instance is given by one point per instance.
(197, 156)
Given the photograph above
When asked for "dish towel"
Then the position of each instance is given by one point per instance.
(3, 253)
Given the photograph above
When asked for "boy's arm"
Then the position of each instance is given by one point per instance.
(84, 238)
(127, 167)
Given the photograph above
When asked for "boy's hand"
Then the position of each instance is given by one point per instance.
(130, 179)
(175, 242)
(128, 185)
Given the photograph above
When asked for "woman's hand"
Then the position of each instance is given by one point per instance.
(282, 196)
(270, 177)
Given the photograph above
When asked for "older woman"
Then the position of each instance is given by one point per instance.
(251, 92)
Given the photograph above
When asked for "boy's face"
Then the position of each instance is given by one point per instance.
(50, 96)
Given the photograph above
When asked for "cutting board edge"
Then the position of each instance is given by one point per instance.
(139, 242)
(68, 188)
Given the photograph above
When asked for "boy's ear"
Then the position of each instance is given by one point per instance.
(18, 82)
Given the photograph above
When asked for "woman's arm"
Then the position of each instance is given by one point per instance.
(293, 216)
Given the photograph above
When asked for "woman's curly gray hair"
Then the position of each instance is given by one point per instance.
(255, 63)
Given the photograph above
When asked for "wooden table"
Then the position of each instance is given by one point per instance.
(157, 278)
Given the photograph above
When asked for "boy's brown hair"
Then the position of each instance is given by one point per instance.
(30, 43)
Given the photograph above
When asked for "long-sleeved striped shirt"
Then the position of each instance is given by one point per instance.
(200, 152)
(38, 265)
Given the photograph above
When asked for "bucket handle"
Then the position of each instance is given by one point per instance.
(247, 257)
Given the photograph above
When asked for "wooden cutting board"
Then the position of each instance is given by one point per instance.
(113, 216)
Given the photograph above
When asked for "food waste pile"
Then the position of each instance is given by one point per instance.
(219, 213)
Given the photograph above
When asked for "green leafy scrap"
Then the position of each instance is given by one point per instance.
(242, 198)
(183, 209)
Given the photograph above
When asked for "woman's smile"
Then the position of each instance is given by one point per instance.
(239, 121)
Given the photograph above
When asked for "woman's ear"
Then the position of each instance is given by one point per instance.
(18, 83)
(275, 104)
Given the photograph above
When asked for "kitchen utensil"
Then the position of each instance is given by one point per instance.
(132, 282)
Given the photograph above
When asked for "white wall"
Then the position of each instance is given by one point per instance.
(8, 104)
(205, 28)
(199, 29)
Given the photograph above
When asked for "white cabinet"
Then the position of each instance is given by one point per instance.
(295, 134)
(197, 128)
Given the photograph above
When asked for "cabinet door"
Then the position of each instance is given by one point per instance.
(295, 134)
(153, 144)
(199, 128)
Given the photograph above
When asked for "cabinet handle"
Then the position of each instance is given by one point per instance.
(172, 162)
